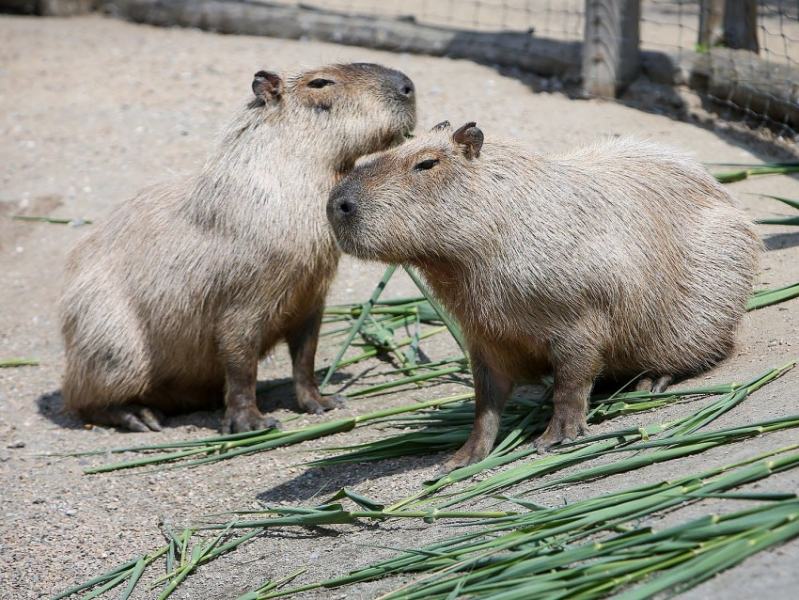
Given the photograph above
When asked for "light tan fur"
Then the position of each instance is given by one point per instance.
(620, 258)
(172, 298)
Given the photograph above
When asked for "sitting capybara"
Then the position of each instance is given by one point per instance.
(618, 259)
(172, 299)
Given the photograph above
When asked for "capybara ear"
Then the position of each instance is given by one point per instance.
(470, 140)
(268, 86)
(441, 126)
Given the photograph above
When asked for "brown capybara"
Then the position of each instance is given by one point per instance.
(618, 259)
(172, 299)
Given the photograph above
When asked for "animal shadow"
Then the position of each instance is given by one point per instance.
(319, 483)
(781, 241)
(274, 394)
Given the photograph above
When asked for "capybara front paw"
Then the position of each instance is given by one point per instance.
(319, 404)
(246, 419)
(468, 455)
(561, 431)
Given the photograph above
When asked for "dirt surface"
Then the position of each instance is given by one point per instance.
(91, 110)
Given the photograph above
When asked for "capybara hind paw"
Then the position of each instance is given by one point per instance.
(561, 431)
(247, 419)
(655, 386)
(132, 417)
(321, 404)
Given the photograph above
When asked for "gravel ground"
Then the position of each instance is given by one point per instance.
(91, 110)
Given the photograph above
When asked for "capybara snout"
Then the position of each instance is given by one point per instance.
(342, 212)
(170, 301)
(343, 203)
(619, 259)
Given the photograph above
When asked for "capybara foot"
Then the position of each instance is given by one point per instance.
(661, 383)
(561, 430)
(318, 404)
(239, 420)
(469, 454)
(133, 417)
(656, 386)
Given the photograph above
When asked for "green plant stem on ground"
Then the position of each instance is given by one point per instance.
(226, 447)
(19, 362)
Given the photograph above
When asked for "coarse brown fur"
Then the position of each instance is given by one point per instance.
(617, 259)
(171, 300)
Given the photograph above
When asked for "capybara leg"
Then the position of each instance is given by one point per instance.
(133, 417)
(491, 391)
(302, 346)
(241, 412)
(574, 376)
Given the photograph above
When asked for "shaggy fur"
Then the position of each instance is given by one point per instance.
(621, 258)
(171, 300)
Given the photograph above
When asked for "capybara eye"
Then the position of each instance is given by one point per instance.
(320, 83)
(426, 165)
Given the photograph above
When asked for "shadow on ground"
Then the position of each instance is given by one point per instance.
(279, 395)
(780, 241)
(319, 483)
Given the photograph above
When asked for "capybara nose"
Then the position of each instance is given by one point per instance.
(346, 208)
(342, 204)
(403, 84)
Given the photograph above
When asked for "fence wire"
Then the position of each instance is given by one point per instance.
(760, 91)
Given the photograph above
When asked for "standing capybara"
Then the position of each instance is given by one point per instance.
(170, 302)
(617, 259)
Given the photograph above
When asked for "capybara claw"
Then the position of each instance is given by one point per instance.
(247, 420)
(321, 404)
(560, 431)
(151, 417)
(132, 417)
(463, 458)
(657, 385)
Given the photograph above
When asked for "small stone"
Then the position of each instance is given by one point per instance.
(17, 444)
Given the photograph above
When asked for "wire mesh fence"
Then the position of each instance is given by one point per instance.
(741, 56)
(558, 19)
(759, 89)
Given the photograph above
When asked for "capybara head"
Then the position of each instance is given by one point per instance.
(359, 108)
(413, 202)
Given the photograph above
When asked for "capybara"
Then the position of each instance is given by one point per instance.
(617, 259)
(172, 299)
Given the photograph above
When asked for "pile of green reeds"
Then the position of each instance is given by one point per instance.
(645, 446)
(586, 549)
(595, 547)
